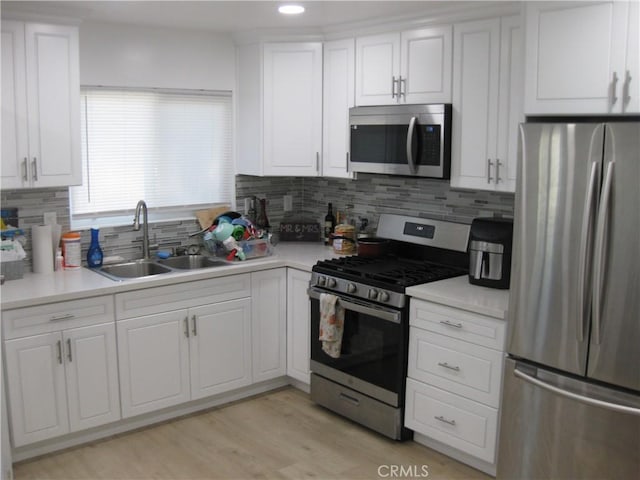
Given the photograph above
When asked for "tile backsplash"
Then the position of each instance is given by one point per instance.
(366, 197)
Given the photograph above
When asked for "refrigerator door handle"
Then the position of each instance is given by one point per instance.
(585, 240)
(574, 396)
(600, 249)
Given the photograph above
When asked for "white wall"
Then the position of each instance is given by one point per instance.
(134, 56)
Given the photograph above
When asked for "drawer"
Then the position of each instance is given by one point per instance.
(184, 295)
(455, 421)
(463, 368)
(452, 322)
(54, 317)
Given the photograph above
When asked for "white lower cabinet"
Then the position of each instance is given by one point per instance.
(269, 323)
(454, 381)
(298, 325)
(183, 354)
(63, 376)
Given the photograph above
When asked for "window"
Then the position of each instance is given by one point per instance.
(169, 148)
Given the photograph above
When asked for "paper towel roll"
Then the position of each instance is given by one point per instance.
(41, 248)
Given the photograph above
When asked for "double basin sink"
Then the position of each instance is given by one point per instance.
(147, 268)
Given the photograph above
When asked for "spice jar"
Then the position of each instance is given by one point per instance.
(71, 251)
(344, 239)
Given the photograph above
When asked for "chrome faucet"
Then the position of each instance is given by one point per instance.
(145, 227)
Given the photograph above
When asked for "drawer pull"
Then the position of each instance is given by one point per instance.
(444, 420)
(186, 327)
(450, 367)
(64, 316)
(69, 356)
(195, 326)
(351, 400)
(451, 324)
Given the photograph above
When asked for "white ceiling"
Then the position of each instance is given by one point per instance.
(228, 16)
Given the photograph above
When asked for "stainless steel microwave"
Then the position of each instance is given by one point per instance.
(410, 140)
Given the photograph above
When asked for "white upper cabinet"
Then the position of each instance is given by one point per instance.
(40, 105)
(279, 128)
(487, 103)
(582, 57)
(338, 98)
(409, 67)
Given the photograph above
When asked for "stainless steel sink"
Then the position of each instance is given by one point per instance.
(191, 262)
(135, 269)
(147, 268)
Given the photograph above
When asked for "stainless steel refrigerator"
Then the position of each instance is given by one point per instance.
(571, 390)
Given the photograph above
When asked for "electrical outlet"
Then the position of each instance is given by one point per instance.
(288, 203)
(50, 218)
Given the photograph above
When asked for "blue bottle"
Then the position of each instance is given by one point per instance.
(94, 254)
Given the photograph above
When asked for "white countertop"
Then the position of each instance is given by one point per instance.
(459, 293)
(40, 288)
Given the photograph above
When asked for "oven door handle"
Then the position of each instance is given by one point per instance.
(389, 316)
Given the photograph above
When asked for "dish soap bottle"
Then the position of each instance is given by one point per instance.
(94, 254)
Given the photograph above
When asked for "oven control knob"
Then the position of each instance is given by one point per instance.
(322, 281)
(373, 294)
(351, 288)
(331, 282)
(384, 296)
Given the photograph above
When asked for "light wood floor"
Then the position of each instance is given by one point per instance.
(280, 435)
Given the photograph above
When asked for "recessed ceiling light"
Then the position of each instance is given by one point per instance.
(291, 9)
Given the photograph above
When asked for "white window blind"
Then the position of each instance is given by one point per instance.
(172, 149)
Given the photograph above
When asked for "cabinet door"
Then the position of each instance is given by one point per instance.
(475, 104)
(511, 105)
(220, 344)
(153, 354)
(426, 59)
(36, 387)
(575, 56)
(292, 94)
(631, 82)
(377, 69)
(53, 86)
(15, 147)
(269, 323)
(298, 325)
(92, 376)
(338, 98)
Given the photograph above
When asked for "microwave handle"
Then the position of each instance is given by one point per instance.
(410, 131)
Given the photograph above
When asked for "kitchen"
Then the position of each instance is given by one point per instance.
(103, 62)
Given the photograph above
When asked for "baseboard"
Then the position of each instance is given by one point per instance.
(305, 387)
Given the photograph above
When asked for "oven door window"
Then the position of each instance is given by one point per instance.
(372, 349)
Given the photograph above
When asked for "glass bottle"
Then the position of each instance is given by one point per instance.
(329, 225)
(262, 221)
(94, 254)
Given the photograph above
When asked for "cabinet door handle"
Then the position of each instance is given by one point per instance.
(25, 172)
(450, 324)
(347, 162)
(625, 89)
(498, 165)
(34, 164)
(450, 367)
(317, 161)
(69, 356)
(186, 327)
(489, 165)
(614, 88)
(440, 418)
(195, 325)
(64, 316)
(394, 82)
(402, 92)
(59, 352)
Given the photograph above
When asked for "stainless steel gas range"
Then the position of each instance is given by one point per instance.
(366, 381)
